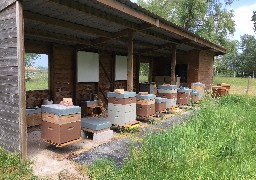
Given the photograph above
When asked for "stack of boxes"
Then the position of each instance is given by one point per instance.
(199, 87)
(121, 107)
(145, 105)
(160, 104)
(218, 91)
(183, 94)
(169, 92)
(61, 124)
(33, 117)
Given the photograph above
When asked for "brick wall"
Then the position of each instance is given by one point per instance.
(63, 72)
(34, 98)
(206, 68)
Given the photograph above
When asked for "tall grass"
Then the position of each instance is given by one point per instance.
(217, 143)
(12, 168)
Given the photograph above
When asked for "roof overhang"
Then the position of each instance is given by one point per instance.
(105, 25)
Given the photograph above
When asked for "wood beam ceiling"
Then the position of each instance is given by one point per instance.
(144, 26)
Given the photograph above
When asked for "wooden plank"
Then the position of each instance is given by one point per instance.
(5, 3)
(21, 80)
(10, 33)
(9, 118)
(130, 63)
(8, 23)
(10, 42)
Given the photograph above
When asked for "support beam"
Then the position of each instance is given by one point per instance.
(130, 63)
(55, 37)
(21, 79)
(173, 65)
(64, 24)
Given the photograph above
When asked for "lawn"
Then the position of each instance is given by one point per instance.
(12, 168)
(238, 85)
(36, 80)
(217, 143)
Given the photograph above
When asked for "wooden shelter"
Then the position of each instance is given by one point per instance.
(62, 28)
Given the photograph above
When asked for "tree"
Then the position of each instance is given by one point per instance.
(30, 61)
(248, 56)
(254, 20)
(206, 18)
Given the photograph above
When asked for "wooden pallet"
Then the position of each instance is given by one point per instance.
(62, 144)
(146, 118)
(118, 127)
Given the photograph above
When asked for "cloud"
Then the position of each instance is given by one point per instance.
(242, 18)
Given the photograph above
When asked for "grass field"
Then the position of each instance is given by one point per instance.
(36, 80)
(238, 85)
(217, 143)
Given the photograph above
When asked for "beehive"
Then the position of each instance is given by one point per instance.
(145, 105)
(169, 92)
(183, 96)
(61, 124)
(121, 108)
(200, 88)
(160, 104)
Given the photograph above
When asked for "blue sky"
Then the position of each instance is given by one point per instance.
(243, 10)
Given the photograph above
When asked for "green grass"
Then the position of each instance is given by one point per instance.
(38, 80)
(238, 85)
(12, 168)
(217, 143)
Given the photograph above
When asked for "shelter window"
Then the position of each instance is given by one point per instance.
(37, 74)
(144, 72)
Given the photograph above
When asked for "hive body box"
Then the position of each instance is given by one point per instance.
(33, 117)
(145, 105)
(121, 108)
(160, 104)
(183, 96)
(169, 92)
(61, 124)
(199, 87)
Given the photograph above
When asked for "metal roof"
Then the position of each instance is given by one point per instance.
(104, 24)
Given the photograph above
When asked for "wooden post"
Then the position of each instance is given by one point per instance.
(150, 71)
(248, 85)
(21, 79)
(130, 63)
(173, 65)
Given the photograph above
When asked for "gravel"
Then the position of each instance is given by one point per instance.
(117, 150)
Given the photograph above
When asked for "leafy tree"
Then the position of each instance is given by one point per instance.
(248, 56)
(209, 19)
(30, 59)
(254, 20)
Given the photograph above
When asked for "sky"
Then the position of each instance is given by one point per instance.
(243, 10)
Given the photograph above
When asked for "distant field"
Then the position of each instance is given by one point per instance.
(238, 85)
(36, 80)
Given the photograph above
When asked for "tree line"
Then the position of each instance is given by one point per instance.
(212, 20)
